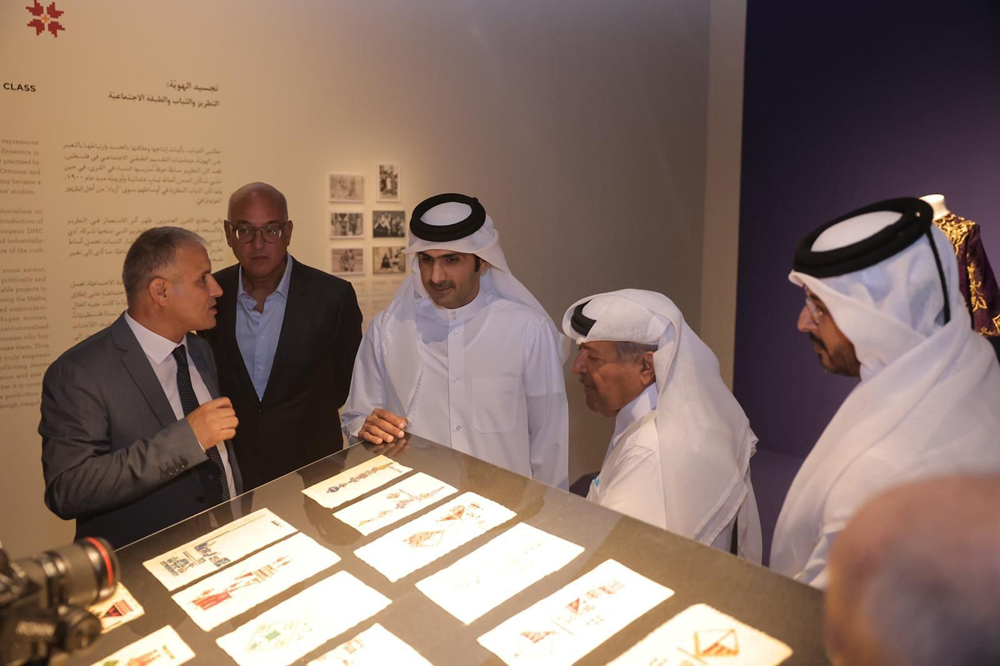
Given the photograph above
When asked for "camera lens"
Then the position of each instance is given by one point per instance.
(80, 574)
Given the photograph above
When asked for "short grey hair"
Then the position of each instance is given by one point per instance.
(153, 250)
(632, 351)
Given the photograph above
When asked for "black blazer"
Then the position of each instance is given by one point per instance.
(296, 422)
(114, 455)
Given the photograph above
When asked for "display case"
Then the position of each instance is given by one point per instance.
(781, 608)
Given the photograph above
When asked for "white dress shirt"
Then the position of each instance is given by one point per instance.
(490, 385)
(159, 351)
(631, 481)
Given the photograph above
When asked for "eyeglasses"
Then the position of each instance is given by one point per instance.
(816, 311)
(270, 233)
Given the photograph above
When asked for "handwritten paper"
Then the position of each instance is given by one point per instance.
(568, 624)
(704, 636)
(120, 609)
(355, 482)
(218, 548)
(241, 587)
(494, 573)
(165, 647)
(394, 503)
(373, 647)
(301, 624)
(421, 541)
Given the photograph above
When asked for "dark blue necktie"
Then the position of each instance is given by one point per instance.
(214, 478)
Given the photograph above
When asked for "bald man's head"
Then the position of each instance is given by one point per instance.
(915, 577)
(257, 190)
(258, 231)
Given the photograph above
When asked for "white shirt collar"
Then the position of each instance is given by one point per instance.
(282, 288)
(643, 404)
(157, 347)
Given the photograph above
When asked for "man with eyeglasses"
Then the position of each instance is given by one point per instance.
(835, 351)
(883, 304)
(285, 341)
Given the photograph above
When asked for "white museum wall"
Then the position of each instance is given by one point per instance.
(720, 244)
(592, 131)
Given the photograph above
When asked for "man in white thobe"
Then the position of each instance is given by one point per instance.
(463, 355)
(680, 454)
(883, 304)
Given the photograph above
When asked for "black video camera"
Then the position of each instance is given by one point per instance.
(43, 601)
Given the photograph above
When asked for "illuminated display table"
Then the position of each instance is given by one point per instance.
(784, 609)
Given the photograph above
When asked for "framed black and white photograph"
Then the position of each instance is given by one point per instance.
(388, 183)
(389, 224)
(347, 261)
(347, 225)
(388, 260)
(347, 188)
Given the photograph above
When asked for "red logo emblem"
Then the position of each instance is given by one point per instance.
(45, 18)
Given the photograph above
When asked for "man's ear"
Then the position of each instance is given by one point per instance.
(287, 233)
(158, 289)
(647, 371)
(230, 236)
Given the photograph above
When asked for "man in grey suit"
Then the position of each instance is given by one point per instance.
(133, 431)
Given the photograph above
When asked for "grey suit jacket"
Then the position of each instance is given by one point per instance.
(114, 455)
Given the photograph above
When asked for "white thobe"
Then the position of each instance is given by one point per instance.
(631, 480)
(959, 437)
(926, 405)
(490, 385)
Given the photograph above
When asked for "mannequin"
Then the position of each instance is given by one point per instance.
(976, 279)
(937, 203)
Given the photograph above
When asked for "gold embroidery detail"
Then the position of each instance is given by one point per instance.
(956, 228)
(976, 298)
(996, 328)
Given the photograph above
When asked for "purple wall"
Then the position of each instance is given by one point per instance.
(847, 103)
